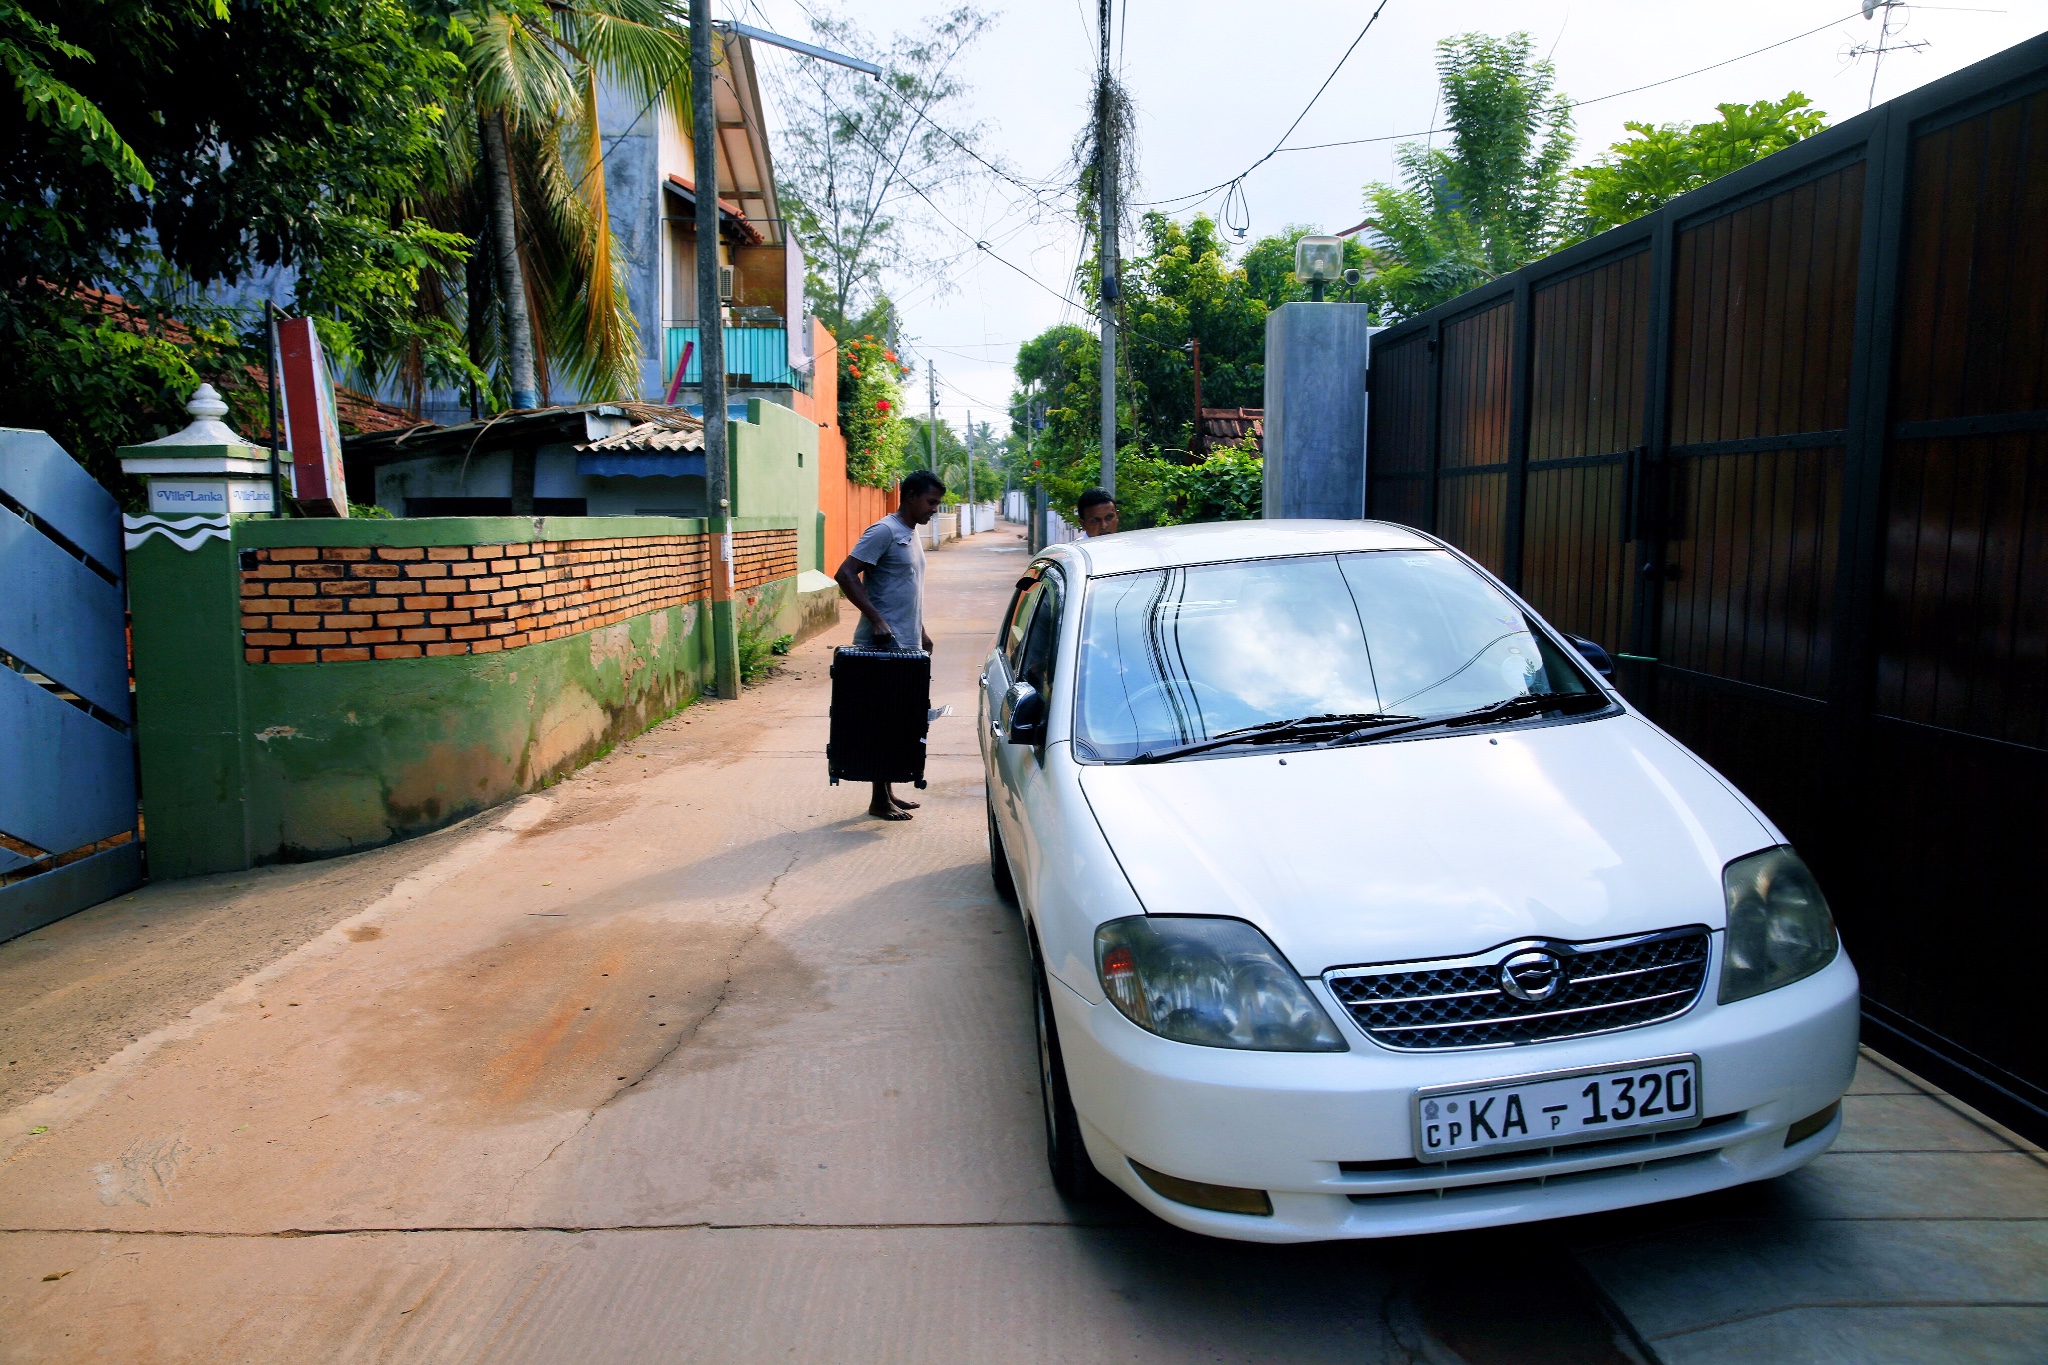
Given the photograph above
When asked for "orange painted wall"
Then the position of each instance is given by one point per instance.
(849, 508)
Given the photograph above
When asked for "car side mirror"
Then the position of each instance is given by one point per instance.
(1602, 661)
(1025, 710)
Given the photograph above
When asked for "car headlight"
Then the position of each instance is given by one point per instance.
(1215, 982)
(1779, 928)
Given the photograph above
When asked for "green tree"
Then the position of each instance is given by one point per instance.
(1497, 198)
(292, 134)
(1663, 161)
(871, 411)
(527, 150)
(858, 156)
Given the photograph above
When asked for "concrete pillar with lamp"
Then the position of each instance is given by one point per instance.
(1317, 354)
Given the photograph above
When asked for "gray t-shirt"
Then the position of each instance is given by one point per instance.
(894, 580)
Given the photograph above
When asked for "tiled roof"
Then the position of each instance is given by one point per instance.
(1224, 425)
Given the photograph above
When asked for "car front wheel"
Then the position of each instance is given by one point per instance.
(1073, 1174)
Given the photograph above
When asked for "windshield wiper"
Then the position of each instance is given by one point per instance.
(1275, 732)
(1514, 708)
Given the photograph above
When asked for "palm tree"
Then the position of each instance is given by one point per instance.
(528, 157)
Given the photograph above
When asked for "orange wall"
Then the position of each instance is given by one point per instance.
(849, 508)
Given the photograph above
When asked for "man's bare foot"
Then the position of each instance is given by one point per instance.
(889, 813)
(900, 803)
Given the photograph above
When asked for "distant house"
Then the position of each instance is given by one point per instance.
(576, 458)
(1228, 426)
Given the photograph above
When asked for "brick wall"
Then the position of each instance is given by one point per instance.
(307, 604)
(762, 557)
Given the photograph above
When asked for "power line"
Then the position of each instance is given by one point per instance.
(1235, 179)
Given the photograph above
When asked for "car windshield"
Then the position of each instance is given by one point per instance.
(1176, 656)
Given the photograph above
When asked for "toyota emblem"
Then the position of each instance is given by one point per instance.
(1532, 975)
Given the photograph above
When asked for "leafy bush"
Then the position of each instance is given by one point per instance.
(871, 411)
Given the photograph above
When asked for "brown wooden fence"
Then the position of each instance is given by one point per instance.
(1783, 444)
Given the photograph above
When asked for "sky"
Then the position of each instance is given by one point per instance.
(1217, 82)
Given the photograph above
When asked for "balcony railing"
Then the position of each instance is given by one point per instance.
(759, 352)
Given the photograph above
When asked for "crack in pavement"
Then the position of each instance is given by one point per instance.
(570, 1228)
(684, 1037)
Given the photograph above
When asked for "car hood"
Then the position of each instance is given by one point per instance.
(1435, 847)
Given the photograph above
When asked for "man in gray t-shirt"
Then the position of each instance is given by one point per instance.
(883, 577)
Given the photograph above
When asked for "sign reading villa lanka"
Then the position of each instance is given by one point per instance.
(207, 497)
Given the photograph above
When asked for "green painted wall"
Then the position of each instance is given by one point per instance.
(244, 764)
(775, 473)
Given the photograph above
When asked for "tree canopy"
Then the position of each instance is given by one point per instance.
(1663, 161)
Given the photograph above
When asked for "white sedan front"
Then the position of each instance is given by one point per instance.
(1360, 905)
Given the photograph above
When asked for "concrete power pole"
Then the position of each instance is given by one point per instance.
(970, 464)
(1105, 185)
(725, 639)
(931, 416)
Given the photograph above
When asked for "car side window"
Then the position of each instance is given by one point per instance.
(1041, 643)
(1020, 627)
(1010, 635)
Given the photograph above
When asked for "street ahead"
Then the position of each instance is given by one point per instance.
(688, 1059)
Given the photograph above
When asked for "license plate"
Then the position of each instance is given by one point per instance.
(1556, 1108)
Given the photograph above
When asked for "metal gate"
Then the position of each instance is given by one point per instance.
(1784, 444)
(68, 829)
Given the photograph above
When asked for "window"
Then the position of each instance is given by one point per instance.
(1170, 656)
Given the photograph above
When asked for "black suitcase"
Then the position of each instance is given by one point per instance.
(881, 709)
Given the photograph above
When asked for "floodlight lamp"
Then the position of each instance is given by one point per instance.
(1318, 260)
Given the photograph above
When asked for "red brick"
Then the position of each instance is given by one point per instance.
(448, 618)
(471, 570)
(426, 571)
(504, 566)
(322, 637)
(311, 606)
(346, 553)
(319, 571)
(468, 600)
(426, 604)
(292, 553)
(515, 641)
(372, 637)
(348, 587)
(401, 618)
(448, 552)
(487, 646)
(255, 623)
(350, 621)
(465, 632)
(484, 584)
(293, 656)
(396, 587)
(442, 650)
(375, 571)
(397, 651)
(400, 552)
(346, 654)
(252, 588)
(252, 656)
(424, 634)
(266, 637)
(273, 571)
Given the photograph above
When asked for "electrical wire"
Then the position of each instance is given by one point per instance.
(1239, 177)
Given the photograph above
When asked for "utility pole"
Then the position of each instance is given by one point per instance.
(970, 464)
(1105, 185)
(725, 638)
(1195, 442)
(931, 416)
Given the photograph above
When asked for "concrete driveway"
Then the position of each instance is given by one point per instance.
(687, 1059)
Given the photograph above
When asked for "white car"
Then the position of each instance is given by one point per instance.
(1361, 905)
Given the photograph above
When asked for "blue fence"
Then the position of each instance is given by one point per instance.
(761, 353)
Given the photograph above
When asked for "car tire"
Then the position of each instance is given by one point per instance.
(1066, 1152)
(999, 862)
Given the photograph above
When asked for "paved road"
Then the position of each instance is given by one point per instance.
(686, 1059)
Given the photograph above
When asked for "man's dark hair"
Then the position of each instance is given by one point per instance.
(922, 481)
(1094, 497)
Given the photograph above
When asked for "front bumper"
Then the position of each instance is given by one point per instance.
(1291, 1123)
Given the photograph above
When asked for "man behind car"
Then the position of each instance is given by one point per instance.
(883, 577)
(1097, 510)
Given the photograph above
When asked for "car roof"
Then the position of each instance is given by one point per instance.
(1173, 546)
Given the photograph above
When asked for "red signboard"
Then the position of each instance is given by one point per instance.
(310, 426)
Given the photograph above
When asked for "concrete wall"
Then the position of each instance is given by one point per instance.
(1316, 358)
(244, 763)
(845, 508)
(775, 471)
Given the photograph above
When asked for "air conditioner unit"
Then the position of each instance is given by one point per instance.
(725, 282)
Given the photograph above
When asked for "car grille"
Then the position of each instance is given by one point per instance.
(1608, 985)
